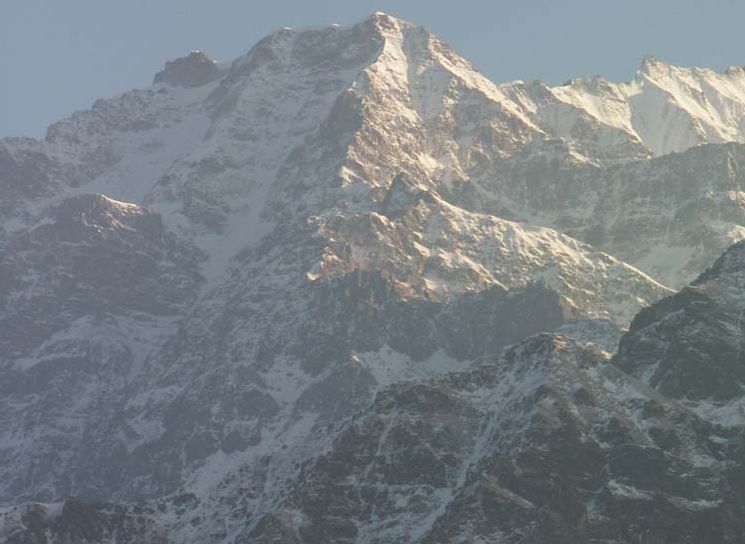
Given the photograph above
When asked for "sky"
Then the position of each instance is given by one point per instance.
(57, 57)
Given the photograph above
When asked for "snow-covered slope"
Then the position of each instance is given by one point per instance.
(433, 250)
(665, 108)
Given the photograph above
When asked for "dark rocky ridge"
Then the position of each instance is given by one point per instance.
(549, 444)
(552, 442)
(690, 346)
(191, 71)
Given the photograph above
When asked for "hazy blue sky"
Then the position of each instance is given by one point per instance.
(57, 56)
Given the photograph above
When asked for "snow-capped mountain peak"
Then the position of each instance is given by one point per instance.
(666, 107)
(203, 283)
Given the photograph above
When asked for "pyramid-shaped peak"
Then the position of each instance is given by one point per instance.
(385, 24)
(331, 45)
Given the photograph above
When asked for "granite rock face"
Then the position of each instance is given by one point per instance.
(270, 302)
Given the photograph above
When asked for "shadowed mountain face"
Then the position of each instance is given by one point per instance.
(269, 302)
(552, 442)
(690, 346)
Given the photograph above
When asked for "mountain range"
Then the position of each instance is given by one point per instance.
(347, 289)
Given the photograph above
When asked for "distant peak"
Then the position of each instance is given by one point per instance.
(191, 71)
(654, 67)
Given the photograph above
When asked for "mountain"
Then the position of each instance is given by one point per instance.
(669, 217)
(231, 295)
(554, 441)
(690, 346)
(664, 109)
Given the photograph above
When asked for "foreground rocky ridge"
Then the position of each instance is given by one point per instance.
(551, 444)
(204, 280)
(553, 441)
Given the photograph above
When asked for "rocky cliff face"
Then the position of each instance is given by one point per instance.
(690, 346)
(265, 302)
(670, 217)
(551, 443)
